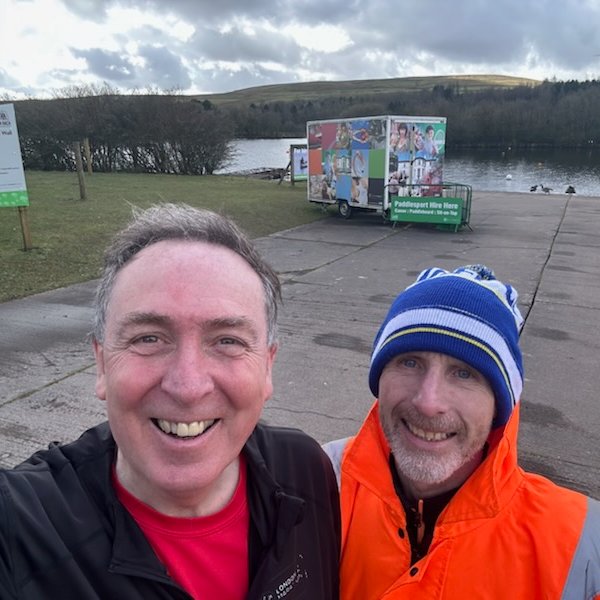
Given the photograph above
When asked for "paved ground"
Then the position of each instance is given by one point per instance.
(340, 277)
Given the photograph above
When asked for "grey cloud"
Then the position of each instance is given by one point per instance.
(221, 80)
(388, 39)
(111, 66)
(91, 10)
(6, 80)
(473, 32)
(163, 68)
(573, 41)
(237, 45)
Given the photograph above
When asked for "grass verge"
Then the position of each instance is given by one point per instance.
(69, 235)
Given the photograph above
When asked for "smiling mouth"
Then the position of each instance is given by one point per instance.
(428, 436)
(184, 430)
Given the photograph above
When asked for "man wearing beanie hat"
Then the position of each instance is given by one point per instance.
(434, 504)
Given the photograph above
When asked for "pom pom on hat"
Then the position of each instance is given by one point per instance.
(467, 314)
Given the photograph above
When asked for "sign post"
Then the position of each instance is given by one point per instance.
(13, 189)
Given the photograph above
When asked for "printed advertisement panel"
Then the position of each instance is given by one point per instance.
(343, 169)
(13, 189)
(427, 210)
(416, 157)
(300, 163)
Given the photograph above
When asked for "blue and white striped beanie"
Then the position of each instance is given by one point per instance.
(467, 314)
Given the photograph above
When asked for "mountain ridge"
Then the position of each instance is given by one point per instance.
(314, 90)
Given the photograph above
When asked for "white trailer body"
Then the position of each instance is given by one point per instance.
(361, 162)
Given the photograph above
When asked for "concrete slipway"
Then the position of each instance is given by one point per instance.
(339, 278)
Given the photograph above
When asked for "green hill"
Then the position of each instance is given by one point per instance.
(315, 90)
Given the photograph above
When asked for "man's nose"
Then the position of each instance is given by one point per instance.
(430, 398)
(188, 376)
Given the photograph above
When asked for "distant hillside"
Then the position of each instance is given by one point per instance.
(482, 111)
(317, 90)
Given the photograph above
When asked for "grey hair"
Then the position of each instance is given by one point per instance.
(181, 222)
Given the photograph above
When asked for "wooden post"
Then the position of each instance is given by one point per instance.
(79, 165)
(27, 245)
(88, 155)
(292, 172)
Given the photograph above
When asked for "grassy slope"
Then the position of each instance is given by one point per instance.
(319, 89)
(69, 235)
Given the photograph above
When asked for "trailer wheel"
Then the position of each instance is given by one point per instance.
(344, 209)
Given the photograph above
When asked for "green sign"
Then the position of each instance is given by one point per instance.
(13, 190)
(427, 210)
(14, 198)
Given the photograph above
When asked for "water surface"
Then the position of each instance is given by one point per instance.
(489, 170)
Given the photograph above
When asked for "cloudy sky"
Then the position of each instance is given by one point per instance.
(200, 46)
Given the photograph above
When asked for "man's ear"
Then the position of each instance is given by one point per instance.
(273, 348)
(100, 372)
(271, 352)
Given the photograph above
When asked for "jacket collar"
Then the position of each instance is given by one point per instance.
(273, 510)
(482, 496)
(131, 551)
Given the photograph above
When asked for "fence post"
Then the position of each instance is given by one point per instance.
(79, 165)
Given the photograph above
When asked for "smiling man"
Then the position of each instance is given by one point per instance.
(182, 494)
(433, 502)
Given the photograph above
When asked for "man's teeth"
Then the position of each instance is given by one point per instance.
(184, 430)
(429, 436)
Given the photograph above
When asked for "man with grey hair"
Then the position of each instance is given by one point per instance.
(182, 493)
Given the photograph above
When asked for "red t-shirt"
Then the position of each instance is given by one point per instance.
(207, 556)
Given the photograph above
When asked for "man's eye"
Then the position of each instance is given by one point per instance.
(230, 341)
(146, 339)
(409, 362)
(464, 374)
(231, 346)
(147, 344)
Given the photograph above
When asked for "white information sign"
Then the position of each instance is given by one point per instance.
(13, 189)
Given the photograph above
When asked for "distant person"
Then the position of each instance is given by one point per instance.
(418, 140)
(181, 494)
(394, 183)
(343, 135)
(399, 142)
(429, 148)
(434, 504)
(359, 191)
(359, 164)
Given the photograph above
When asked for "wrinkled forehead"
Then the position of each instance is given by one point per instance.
(187, 268)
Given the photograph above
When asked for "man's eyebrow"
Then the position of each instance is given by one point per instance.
(229, 322)
(241, 324)
(141, 318)
(151, 318)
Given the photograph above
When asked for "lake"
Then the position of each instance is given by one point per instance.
(489, 170)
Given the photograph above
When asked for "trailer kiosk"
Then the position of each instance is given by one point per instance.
(362, 163)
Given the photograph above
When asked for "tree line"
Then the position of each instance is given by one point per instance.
(156, 132)
(143, 133)
(553, 114)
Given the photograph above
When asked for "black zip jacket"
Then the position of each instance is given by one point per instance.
(64, 534)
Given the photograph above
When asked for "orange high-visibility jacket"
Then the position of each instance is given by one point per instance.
(506, 534)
